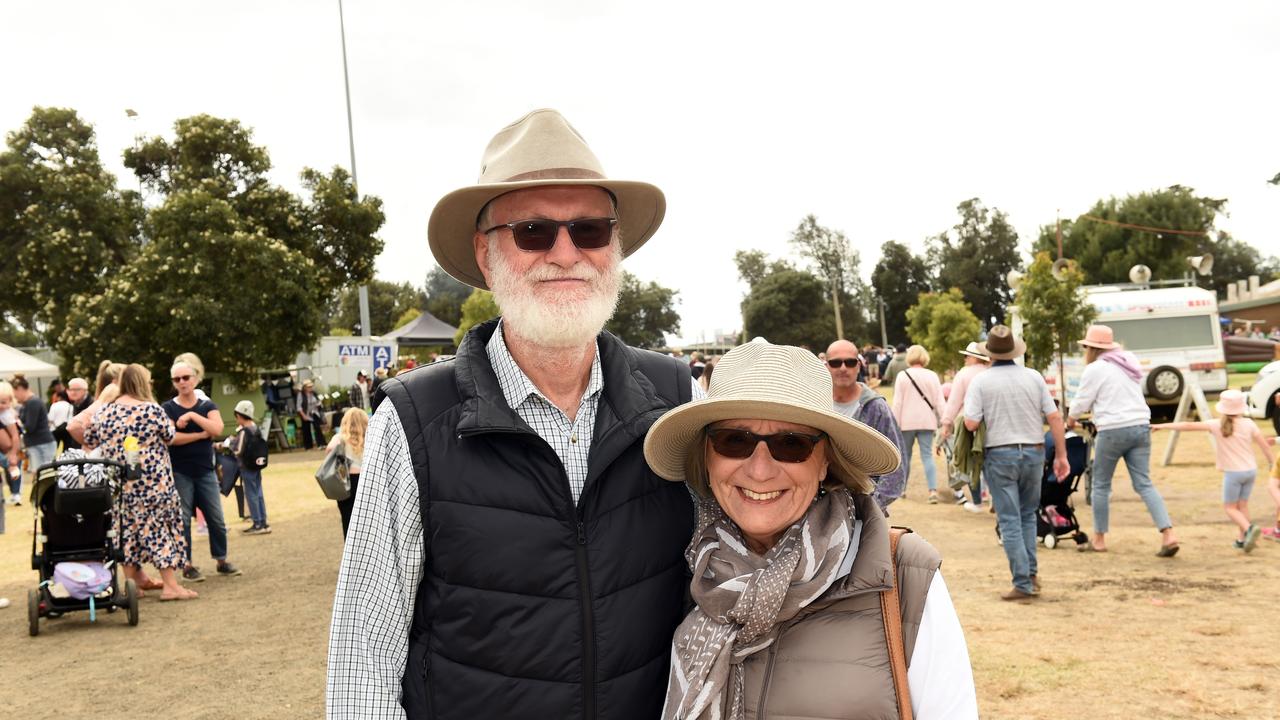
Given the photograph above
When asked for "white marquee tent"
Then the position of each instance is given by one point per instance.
(13, 360)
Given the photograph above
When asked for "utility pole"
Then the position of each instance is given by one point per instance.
(365, 330)
(884, 336)
(835, 303)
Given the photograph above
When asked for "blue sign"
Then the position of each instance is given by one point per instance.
(382, 356)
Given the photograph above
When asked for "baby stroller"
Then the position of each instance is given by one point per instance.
(1056, 518)
(76, 546)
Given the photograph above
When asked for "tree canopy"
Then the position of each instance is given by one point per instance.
(235, 269)
(479, 307)
(899, 278)
(835, 263)
(645, 312)
(388, 303)
(64, 225)
(1159, 229)
(944, 325)
(1054, 309)
(975, 255)
(444, 296)
(784, 305)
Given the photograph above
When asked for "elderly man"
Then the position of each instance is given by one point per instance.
(858, 401)
(1014, 402)
(510, 554)
(61, 412)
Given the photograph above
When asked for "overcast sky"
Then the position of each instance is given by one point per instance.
(878, 118)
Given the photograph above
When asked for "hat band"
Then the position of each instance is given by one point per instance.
(556, 174)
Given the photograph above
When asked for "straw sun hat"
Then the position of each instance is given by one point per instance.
(539, 149)
(760, 381)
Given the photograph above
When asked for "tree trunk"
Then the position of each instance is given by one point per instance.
(835, 304)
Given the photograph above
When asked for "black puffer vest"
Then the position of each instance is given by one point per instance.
(530, 606)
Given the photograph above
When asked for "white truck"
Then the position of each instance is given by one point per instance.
(1174, 332)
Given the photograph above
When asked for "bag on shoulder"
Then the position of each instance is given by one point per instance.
(333, 472)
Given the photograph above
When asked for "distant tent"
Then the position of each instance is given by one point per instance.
(426, 329)
(13, 360)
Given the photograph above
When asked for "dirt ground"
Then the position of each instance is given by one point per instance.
(1116, 635)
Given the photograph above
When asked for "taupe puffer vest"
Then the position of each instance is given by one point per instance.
(832, 661)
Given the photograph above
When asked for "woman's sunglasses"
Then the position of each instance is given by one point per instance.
(181, 378)
(788, 447)
(540, 235)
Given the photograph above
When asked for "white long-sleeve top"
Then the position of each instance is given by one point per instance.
(1114, 398)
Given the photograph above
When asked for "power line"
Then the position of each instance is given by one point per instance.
(1194, 233)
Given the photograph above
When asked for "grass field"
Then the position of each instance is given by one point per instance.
(1119, 635)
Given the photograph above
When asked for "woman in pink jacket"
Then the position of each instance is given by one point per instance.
(917, 406)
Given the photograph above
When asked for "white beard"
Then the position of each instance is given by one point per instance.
(558, 319)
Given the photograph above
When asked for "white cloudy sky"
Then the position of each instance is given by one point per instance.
(877, 118)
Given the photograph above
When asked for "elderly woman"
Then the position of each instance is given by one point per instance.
(918, 406)
(793, 573)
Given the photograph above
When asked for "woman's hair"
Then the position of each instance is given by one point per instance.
(135, 381)
(354, 423)
(108, 372)
(1091, 353)
(6, 392)
(705, 378)
(1228, 425)
(839, 471)
(191, 361)
(19, 381)
(917, 355)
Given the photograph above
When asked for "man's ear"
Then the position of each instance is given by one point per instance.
(480, 242)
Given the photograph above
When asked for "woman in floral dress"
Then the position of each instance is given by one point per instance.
(152, 519)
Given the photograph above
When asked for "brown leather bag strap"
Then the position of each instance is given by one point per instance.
(892, 614)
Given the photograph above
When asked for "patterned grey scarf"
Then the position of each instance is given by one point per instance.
(742, 599)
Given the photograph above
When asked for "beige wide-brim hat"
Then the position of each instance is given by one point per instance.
(972, 350)
(760, 381)
(539, 149)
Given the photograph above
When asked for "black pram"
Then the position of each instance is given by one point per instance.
(1056, 518)
(75, 503)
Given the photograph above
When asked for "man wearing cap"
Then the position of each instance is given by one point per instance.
(510, 554)
(858, 401)
(1111, 388)
(1014, 403)
(974, 363)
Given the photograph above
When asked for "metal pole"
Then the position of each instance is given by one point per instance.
(884, 336)
(365, 330)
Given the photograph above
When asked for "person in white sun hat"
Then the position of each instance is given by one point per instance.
(791, 559)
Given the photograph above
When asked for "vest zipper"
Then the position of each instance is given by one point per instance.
(588, 626)
(768, 674)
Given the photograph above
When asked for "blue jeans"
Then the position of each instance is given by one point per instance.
(201, 491)
(925, 438)
(1134, 445)
(37, 455)
(252, 479)
(1013, 478)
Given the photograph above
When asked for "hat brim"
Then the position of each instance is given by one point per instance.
(669, 441)
(452, 226)
(1019, 349)
(1098, 345)
(980, 356)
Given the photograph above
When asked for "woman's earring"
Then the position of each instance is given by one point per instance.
(822, 491)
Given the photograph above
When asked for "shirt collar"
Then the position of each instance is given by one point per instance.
(516, 386)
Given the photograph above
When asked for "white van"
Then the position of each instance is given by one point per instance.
(1174, 332)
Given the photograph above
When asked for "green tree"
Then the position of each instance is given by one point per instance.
(235, 269)
(754, 265)
(388, 302)
(479, 307)
(789, 307)
(1054, 311)
(944, 325)
(15, 336)
(898, 279)
(64, 225)
(836, 264)
(975, 256)
(1159, 229)
(444, 296)
(645, 312)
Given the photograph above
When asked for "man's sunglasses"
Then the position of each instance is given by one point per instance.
(540, 235)
(788, 447)
(847, 362)
(181, 378)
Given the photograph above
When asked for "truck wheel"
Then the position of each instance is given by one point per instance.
(1165, 383)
